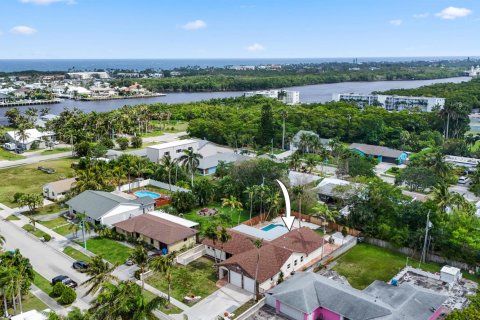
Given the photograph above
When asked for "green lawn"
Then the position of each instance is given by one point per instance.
(167, 310)
(51, 208)
(42, 283)
(64, 230)
(55, 151)
(222, 218)
(197, 278)
(37, 233)
(29, 302)
(60, 225)
(75, 254)
(244, 307)
(8, 155)
(28, 179)
(365, 263)
(112, 251)
(12, 217)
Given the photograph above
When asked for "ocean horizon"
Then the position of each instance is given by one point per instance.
(16, 65)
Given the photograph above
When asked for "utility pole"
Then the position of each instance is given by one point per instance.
(284, 116)
(424, 250)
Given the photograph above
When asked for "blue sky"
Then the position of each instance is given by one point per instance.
(66, 29)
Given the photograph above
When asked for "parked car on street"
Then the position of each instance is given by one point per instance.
(65, 280)
(463, 180)
(80, 265)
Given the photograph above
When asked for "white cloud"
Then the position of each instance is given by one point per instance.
(195, 25)
(256, 47)
(396, 22)
(23, 30)
(452, 13)
(421, 15)
(47, 2)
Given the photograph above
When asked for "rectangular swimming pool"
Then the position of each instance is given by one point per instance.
(271, 226)
(150, 194)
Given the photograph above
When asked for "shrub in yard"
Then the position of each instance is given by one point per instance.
(136, 142)
(122, 143)
(68, 296)
(47, 237)
(58, 289)
(107, 143)
(17, 196)
(136, 274)
(34, 145)
(183, 201)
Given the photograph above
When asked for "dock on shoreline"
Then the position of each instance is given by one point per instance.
(28, 103)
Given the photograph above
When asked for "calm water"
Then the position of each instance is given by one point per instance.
(308, 94)
(12, 65)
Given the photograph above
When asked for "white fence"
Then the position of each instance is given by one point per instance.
(191, 255)
(150, 182)
(250, 312)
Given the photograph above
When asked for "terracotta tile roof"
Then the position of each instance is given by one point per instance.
(272, 258)
(156, 228)
(303, 240)
(238, 243)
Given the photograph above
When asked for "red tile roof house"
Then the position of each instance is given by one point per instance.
(293, 251)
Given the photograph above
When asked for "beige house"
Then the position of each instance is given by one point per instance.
(56, 190)
(162, 234)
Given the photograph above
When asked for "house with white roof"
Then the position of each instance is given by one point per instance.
(174, 149)
(31, 136)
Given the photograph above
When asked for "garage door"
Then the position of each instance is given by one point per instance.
(249, 284)
(236, 279)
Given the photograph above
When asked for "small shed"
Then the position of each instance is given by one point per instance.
(450, 274)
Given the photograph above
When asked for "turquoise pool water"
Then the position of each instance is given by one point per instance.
(150, 194)
(271, 226)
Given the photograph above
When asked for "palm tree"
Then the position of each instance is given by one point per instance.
(250, 191)
(325, 213)
(22, 133)
(211, 233)
(139, 256)
(258, 243)
(233, 203)
(273, 201)
(117, 175)
(100, 273)
(294, 161)
(164, 264)
(33, 221)
(442, 197)
(83, 224)
(299, 191)
(311, 162)
(190, 160)
(169, 165)
(224, 236)
(2, 240)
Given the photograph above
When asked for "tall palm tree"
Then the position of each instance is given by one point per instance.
(258, 243)
(327, 214)
(442, 197)
(139, 256)
(273, 201)
(233, 203)
(169, 164)
(224, 236)
(165, 265)
(299, 191)
(190, 160)
(82, 223)
(294, 161)
(22, 133)
(100, 273)
(250, 191)
(211, 233)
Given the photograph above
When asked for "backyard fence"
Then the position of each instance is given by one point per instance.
(336, 253)
(191, 255)
(250, 312)
(416, 254)
(150, 182)
(255, 220)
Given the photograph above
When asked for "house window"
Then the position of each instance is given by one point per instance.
(152, 241)
(301, 259)
(179, 150)
(185, 239)
(295, 263)
(167, 153)
(288, 266)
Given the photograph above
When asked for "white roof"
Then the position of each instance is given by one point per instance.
(33, 135)
(30, 315)
(450, 270)
(300, 178)
(338, 182)
(174, 219)
(172, 144)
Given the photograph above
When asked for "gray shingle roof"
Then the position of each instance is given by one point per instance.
(95, 203)
(144, 201)
(212, 161)
(376, 150)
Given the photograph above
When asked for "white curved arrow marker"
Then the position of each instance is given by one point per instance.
(288, 219)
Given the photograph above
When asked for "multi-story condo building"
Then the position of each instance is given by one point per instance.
(392, 103)
(287, 97)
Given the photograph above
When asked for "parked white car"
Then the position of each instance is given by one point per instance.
(463, 180)
(10, 146)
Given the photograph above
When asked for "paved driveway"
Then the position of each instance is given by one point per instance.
(226, 298)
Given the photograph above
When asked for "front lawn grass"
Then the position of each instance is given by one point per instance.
(76, 254)
(64, 230)
(49, 209)
(42, 283)
(244, 307)
(365, 263)
(10, 156)
(171, 309)
(197, 278)
(12, 217)
(29, 302)
(28, 179)
(37, 233)
(222, 217)
(112, 251)
(52, 224)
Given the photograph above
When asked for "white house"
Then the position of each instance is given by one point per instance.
(56, 190)
(31, 135)
(392, 102)
(106, 208)
(174, 149)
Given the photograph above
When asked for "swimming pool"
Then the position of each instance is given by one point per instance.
(150, 194)
(271, 226)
